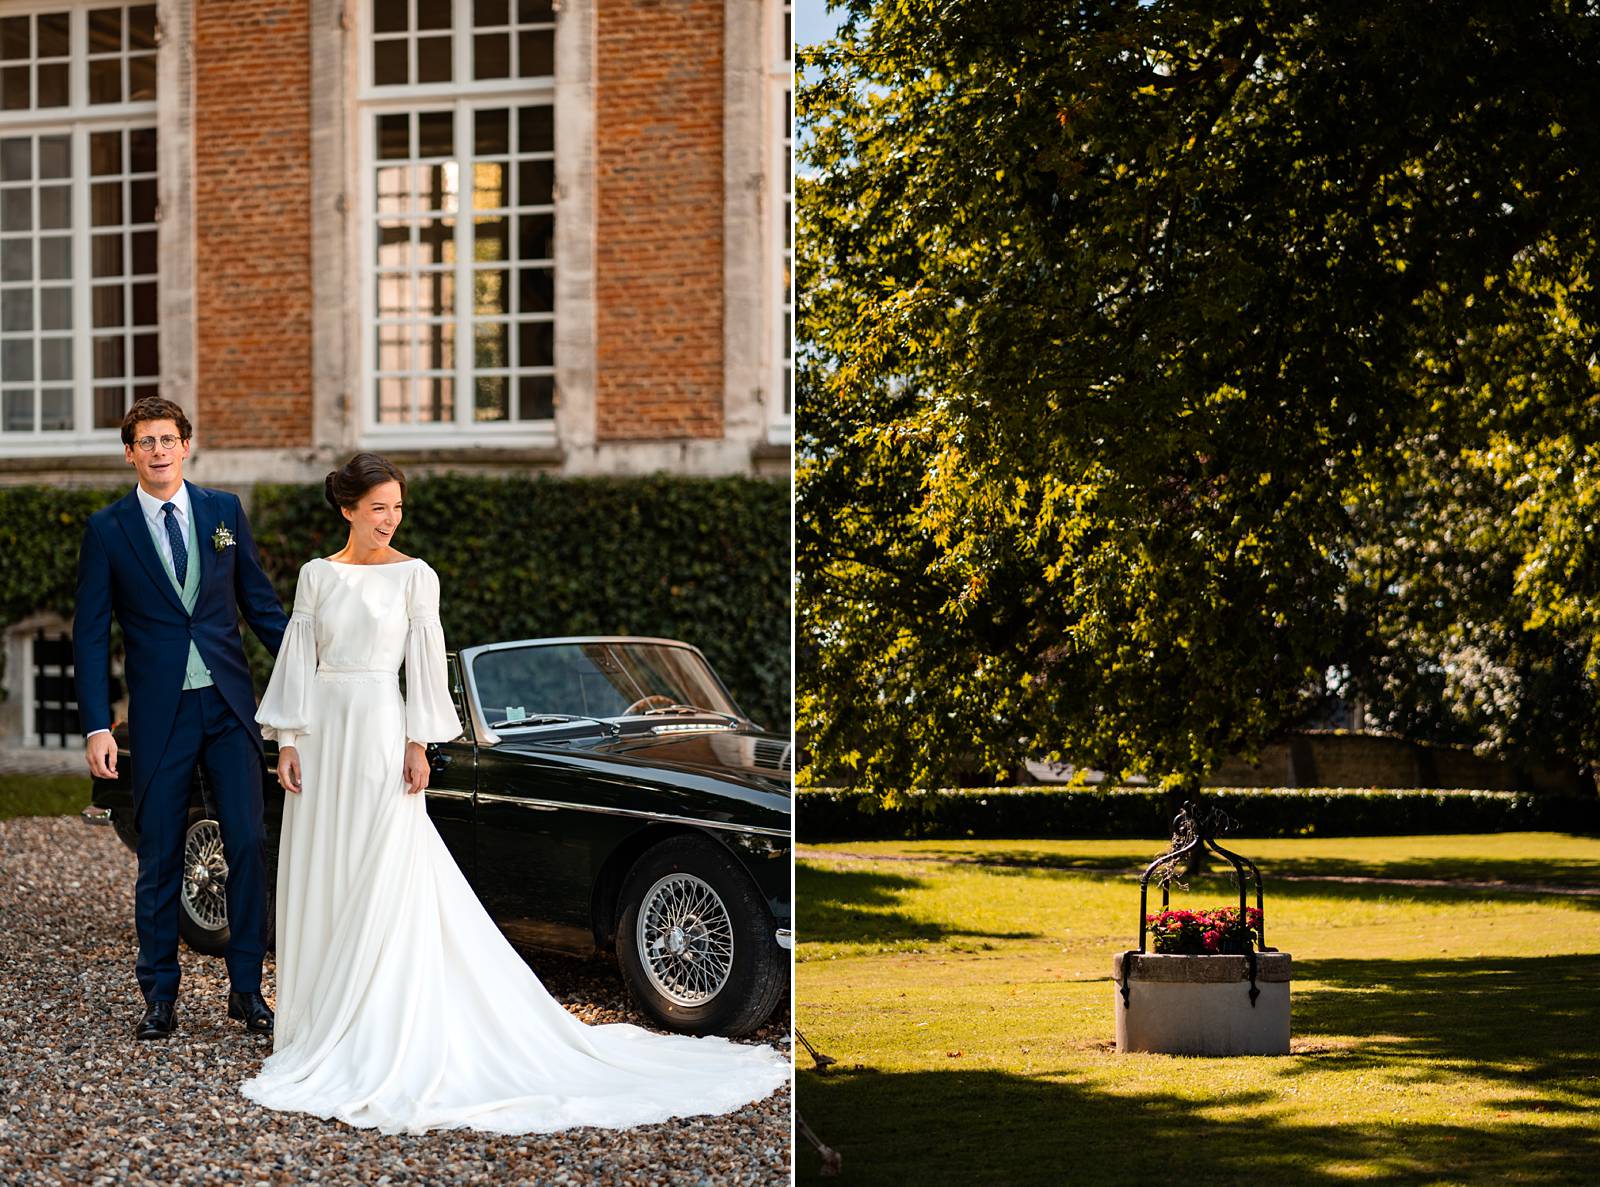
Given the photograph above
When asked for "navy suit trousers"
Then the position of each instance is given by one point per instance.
(207, 731)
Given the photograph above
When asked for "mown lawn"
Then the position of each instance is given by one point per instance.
(42, 795)
(1443, 1034)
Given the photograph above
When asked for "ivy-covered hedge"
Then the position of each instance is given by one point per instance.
(1028, 812)
(702, 560)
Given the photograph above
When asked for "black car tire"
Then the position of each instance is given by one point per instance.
(200, 932)
(758, 975)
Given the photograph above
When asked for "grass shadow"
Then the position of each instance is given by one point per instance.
(847, 906)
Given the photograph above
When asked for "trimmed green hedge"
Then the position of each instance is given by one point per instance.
(825, 814)
(702, 560)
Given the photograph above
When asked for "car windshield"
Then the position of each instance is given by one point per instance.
(609, 679)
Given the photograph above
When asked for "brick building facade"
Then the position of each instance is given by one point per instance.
(494, 234)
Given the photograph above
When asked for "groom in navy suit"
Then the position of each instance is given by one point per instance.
(177, 566)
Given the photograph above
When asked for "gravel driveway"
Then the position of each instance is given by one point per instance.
(82, 1102)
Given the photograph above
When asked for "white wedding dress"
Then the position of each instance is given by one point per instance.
(400, 1005)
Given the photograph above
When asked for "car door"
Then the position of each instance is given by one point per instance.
(453, 781)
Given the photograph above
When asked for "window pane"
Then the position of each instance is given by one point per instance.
(536, 397)
(536, 237)
(394, 245)
(536, 53)
(55, 157)
(16, 259)
(491, 346)
(142, 201)
(106, 305)
(433, 59)
(53, 31)
(536, 342)
(394, 294)
(106, 255)
(105, 30)
(142, 78)
(16, 159)
(16, 210)
(535, 183)
(16, 359)
(491, 55)
(488, 185)
(15, 39)
(14, 88)
(490, 292)
(146, 354)
(490, 402)
(144, 253)
(491, 132)
(105, 204)
(55, 258)
(55, 309)
(536, 129)
(141, 150)
(437, 401)
(110, 404)
(142, 27)
(144, 304)
(436, 292)
(105, 80)
(17, 409)
(109, 361)
(394, 137)
(394, 401)
(437, 348)
(394, 348)
(490, 12)
(437, 242)
(389, 16)
(433, 14)
(105, 153)
(435, 134)
(489, 238)
(53, 85)
(55, 359)
(56, 410)
(535, 11)
(390, 64)
(536, 290)
(16, 309)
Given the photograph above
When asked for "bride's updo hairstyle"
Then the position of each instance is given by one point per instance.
(344, 487)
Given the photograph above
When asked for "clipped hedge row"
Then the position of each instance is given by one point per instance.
(702, 560)
(827, 814)
(697, 559)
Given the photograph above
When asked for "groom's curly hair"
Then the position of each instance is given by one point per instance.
(154, 408)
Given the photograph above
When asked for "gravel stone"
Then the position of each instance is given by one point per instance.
(82, 1102)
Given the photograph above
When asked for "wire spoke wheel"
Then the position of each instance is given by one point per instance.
(685, 939)
(205, 876)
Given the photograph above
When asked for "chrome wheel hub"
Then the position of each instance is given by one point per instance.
(205, 876)
(685, 939)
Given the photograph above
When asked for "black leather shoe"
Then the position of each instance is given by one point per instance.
(160, 1018)
(252, 1010)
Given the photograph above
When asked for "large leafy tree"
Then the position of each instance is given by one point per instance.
(1119, 325)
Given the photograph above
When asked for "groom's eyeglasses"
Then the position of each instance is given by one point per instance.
(148, 444)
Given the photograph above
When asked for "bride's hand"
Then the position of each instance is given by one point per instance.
(416, 768)
(289, 768)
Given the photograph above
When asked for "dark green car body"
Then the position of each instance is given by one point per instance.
(546, 823)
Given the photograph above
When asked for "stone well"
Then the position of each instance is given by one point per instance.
(1200, 1005)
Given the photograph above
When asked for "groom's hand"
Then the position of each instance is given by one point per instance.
(416, 768)
(101, 751)
(289, 769)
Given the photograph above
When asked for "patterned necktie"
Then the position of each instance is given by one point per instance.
(180, 554)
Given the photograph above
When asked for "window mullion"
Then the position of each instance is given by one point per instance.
(465, 332)
(82, 340)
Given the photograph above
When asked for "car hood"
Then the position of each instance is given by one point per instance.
(752, 758)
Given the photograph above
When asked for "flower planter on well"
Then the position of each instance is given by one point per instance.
(1200, 1005)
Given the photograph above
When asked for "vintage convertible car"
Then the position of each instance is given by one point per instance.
(606, 794)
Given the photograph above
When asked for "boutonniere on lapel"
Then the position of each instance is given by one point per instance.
(221, 538)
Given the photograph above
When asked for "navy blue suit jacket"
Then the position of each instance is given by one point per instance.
(120, 572)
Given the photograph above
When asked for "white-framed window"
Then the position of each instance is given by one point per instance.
(457, 162)
(79, 269)
(780, 233)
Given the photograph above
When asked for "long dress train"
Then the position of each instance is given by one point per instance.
(400, 1004)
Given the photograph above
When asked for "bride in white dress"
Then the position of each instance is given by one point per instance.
(400, 1005)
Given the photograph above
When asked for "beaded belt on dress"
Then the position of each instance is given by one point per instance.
(354, 674)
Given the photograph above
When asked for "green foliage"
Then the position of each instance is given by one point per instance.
(1015, 813)
(701, 560)
(1121, 321)
(42, 795)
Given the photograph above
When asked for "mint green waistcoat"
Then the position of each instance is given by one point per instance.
(196, 675)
